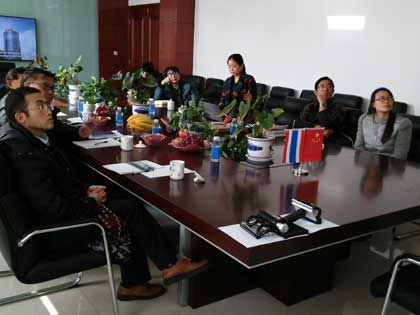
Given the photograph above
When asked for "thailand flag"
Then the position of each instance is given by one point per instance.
(303, 145)
(292, 146)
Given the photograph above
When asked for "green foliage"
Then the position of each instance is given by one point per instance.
(143, 80)
(68, 76)
(250, 116)
(234, 148)
(40, 61)
(96, 91)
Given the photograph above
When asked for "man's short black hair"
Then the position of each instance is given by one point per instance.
(15, 101)
(32, 74)
(13, 74)
(171, 68)
(322, 79)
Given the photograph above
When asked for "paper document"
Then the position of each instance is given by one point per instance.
(104, 134)
(162, 172)
(75, 120)
(98, 143)
(247, 240)
(134, 167)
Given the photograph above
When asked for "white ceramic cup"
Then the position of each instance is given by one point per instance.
(176, 169)
(127, 143)
(86, 117)
(87, 108)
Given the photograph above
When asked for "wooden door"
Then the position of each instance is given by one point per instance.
(143, 34)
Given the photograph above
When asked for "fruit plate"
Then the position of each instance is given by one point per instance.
(100, 120)
(189, 147)
(152, 140)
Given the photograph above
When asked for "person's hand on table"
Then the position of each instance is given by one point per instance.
(84, 131)
(97, 192)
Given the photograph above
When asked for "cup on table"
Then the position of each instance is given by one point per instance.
(127, 143)
(176, 169)
(86, 117)
(87, 108)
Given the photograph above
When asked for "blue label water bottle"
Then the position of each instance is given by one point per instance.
(232, 128)
(155, 127)
(152, 108)
(215, 149)
(119, 117)
(80, 102)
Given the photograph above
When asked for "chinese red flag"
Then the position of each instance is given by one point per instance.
(312, 145)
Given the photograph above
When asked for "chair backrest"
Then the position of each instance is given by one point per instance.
(15, 221)
(262, 89)
(400, 107)
(196, 81)
(277, 96)
(414, 153)
(213, 90)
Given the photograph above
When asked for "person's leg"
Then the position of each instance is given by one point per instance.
(144, 231)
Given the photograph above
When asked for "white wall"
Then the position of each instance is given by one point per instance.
(141, 2)
(287, 43)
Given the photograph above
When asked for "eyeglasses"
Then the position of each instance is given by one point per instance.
(171, 74)
(384, 98)
(42, 107)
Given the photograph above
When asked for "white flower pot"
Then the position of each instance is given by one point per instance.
(259, 149)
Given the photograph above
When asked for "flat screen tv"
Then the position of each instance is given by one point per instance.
(17, 38)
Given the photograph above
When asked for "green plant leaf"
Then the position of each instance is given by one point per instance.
(244, 108)
(228, 109)
(276, 112)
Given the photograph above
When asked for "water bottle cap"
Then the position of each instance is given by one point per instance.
(216, 138)
(119, 108)
(156, 121)
(151, 99)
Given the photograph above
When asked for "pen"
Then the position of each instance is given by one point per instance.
(96, 143)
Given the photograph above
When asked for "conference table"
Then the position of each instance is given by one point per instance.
(361, 192)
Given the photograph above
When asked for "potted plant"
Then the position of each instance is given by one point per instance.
(97, 91)
(252, 117)
(39, 61)
(139, 94)
(68, 81)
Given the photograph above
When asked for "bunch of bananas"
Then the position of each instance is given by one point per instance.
(139, 122)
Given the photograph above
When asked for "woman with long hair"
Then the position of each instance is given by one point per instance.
(240, 85)
(381, 130)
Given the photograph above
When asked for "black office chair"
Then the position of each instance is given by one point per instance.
(401, 285)
(23, 244)
(196, 81)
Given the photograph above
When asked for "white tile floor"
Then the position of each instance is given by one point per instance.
(350, 296)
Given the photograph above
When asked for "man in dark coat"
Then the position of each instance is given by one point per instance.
(46, 182)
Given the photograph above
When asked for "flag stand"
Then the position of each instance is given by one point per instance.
(299, 170)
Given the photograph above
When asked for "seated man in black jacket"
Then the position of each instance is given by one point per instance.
(324, 113)
(46, 182)
(43, 80)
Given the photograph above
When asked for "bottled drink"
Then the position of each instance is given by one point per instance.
(233, 126)
(119, 117)
(80, 102)
(171, 109)
(215, 149)
(155, 127)
(152, 108)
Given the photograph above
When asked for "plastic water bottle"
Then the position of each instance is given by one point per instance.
(155, 127)
(119, 117)
(152, 108)
(233, 126)
(215, 149)
(80, 102)
(171, 109)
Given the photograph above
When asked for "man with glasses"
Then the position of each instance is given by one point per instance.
(45, 180)
(43, 80)
(324, 113)
(172, 87)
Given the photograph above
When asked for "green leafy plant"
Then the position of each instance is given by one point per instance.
(252, 117)
(145, 82)
(68, 76)
(96, 91)
(40, 61)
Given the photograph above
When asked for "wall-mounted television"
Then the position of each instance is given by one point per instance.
(17, 38)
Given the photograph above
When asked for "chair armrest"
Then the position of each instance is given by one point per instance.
(407, 258)
(75, 224)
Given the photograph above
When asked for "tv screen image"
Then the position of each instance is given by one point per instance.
(17, 38)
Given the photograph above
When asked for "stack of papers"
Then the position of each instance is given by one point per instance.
(144, 167)
(247, 240)
(97, 143)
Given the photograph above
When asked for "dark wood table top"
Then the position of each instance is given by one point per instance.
(360, 191)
